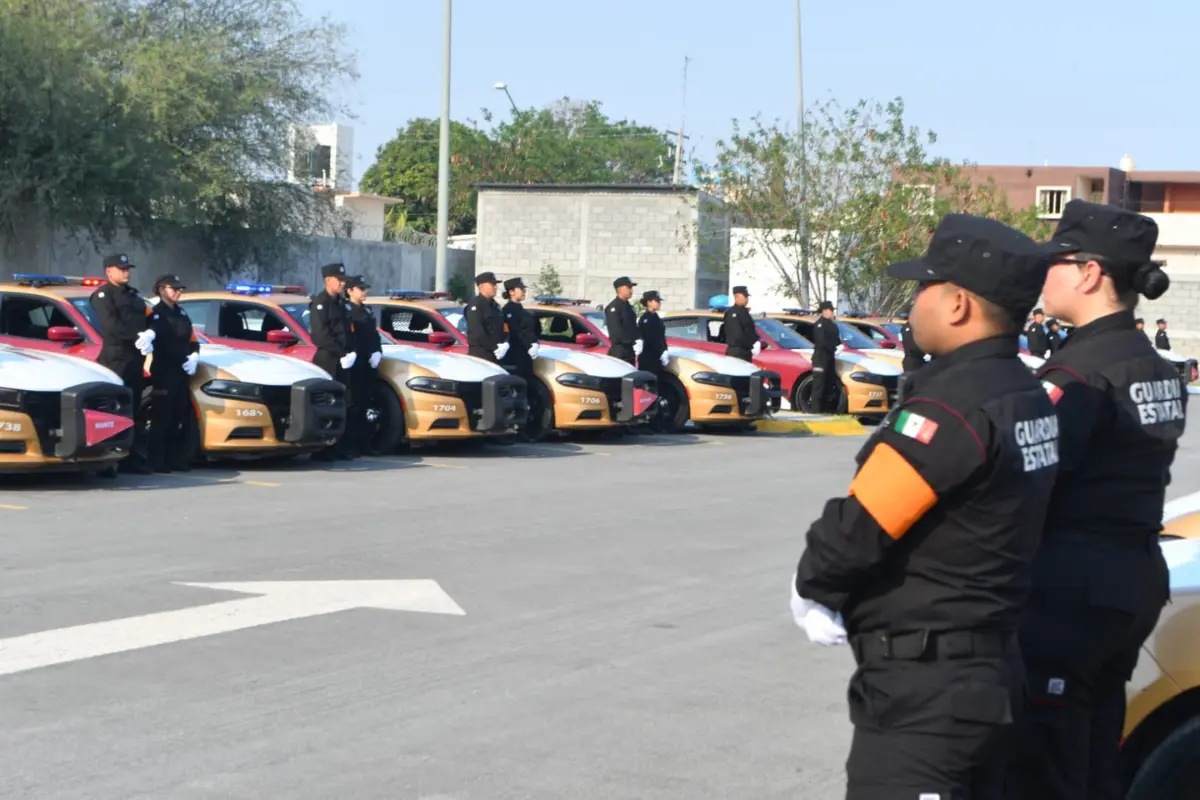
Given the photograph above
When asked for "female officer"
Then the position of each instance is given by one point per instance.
(1099, 582)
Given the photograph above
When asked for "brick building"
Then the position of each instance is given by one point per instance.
(1171, 199)
(671, 238)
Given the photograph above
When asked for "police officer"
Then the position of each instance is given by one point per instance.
(1054, 337)
(914, 359)
(176, 355)
(368, 352)
(128, 339)
(826, 340)
(924, 565)
(1161, 341)
(1140, 324)
(621, 321)
(329, 319)
(653, 334)
(485, 322)
(1100, 581)
(1035, 335)
(741, 336)
(523, 330)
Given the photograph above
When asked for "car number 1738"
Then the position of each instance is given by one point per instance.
(10, 427)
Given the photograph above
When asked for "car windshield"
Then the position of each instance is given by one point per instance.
(84, 306)
(855, 339)
(597, 319)
(298, 312)
(456, 317)
(894, 328)
(784, 336)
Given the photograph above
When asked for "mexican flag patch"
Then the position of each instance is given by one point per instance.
(914, 426)
(1055, 392)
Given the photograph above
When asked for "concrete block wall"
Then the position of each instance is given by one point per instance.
(1180, 306)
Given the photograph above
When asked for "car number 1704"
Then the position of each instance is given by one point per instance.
(445, 408)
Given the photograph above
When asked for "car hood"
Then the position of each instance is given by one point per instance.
(1171, 355)
(723, 365)
(265, 369)
(450, 366)
(35, 371)
(873, 365)
(601, 366)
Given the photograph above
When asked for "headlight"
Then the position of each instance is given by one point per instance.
(867, 377)
(10, 398)
(578, 380)
(432, 386)
(712, 379)
(233, 390)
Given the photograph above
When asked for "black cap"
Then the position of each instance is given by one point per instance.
(333, 271)
(983, 256)
(1050, 323)
(485, 277)
(1161, 322)
(1139, 321)
(118, 260)
(357, 282)
(513, 283)
(651, 295)
(170, 281)
(741, 290)
(623, 281)
(825, 306)
(1036, 311)
(1122, 237)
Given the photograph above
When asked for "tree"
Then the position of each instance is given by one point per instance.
(548, 283)
(866, 194)
(148, 115)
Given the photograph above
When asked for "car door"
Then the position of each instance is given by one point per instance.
(559, 329)
(245, 326)
(26, 320)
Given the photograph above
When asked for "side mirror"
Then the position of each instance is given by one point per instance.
(887, 344)
(281, 337)
(586, 340)
(441, 339)
(67, 334)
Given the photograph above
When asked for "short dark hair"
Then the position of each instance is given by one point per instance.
(1003, 320)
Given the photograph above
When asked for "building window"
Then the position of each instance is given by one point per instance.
(1052, 199)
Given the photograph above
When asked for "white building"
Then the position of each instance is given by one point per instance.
(759, 260)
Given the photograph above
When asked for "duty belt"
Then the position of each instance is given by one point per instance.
(931, 645)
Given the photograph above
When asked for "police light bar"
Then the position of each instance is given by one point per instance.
(553, 300)
(35, 279)
(797, 311)
(718, 302)
(263, 288)
(414, 294)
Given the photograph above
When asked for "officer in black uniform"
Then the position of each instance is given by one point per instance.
(621, 321)
(1140, 324)
(368, 352)
(1161, 340)
(914, 359)
(1054, 338)
(924, 565)
(1100, 581)
(128, 339)
(176, 355)
(1035, 335)
(826, 383)
(523, 331)
(486, 338)
(653, 334)
(329, 320)
(741, 336)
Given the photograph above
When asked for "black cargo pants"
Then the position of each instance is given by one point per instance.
(1092, 607)
(932, 720)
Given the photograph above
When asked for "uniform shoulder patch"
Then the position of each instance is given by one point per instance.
(915, 426)
(1055, 392)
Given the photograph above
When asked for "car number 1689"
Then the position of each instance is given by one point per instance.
(249, 412)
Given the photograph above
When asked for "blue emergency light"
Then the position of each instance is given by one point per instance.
(247, 288)
(407, 294)
(797, 311)
(718, 301)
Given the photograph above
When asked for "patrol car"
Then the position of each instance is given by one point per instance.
(1162, 716)
(1181, 518)
(868, 385)
(421, 397)
(58, 412)
(881, 331)
(853, 340)
(710, 389)
(245, 406)
(575, 390)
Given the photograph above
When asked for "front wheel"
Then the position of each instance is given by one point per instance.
(1172, 771)
(540, 421)
(802, 396)
(386, 428)
(674, 410)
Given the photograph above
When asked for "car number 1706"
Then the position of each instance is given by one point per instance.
(588, 400)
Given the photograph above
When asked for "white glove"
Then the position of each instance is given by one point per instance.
(534, 349)
(823, 626)
(348, 360)
(143, 340)
(189, 363)
(146, 349)
(756, 349)
(500, 350)
(664, 358)
(637, 347)
(375, 359)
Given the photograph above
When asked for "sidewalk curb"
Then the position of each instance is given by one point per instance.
(811, 425)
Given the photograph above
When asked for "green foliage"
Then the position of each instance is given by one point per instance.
(459, 287)
(567, 142)
(865, 194)
(548, 283)
(139, 115)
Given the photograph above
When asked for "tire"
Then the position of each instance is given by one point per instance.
(389, 430)
(540, 421)
(674, 410)
(1172, 771)
(802, 396)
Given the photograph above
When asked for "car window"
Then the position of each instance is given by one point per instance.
(598, 319)
(247, 322)
(406, 324)
(558, 328)
(31, 317)
(783, 334)
(84, 306)
(197, 311)
(684, 328)
(854, 338)
(456, 317)
(874, 333)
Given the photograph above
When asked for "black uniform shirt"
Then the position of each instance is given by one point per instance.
(913, 356)
(123, 315)
(364, 333)
(1161, 341)
(485, 327)
(826, 337)
(621, 320)
(653, 334)
(739, 330)
(1037, 340)
(944, 516)
(523, 330)
(329, 321)
(173, 339)
(1122, 408)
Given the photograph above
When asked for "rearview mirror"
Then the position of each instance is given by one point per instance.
(441, 339)
(64, 333)
(586, 340)
(888, 344)
(281, 337)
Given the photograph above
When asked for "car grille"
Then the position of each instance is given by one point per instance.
(612, 390)
(278, 400)
(891, 384)
(45, 410)
(471, 393)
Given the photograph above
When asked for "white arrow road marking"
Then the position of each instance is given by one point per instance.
(279, 601)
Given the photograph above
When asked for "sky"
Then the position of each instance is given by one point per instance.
(1026, 82)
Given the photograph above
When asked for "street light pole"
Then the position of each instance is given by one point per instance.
(805, 287)
(442, 279)
(503, 87)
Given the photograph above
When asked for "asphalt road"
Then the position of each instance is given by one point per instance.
(626, 630)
